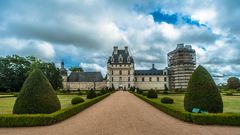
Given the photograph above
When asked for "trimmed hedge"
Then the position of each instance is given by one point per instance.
(27, 120)
(204, 119)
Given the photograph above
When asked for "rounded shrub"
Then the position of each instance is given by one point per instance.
(103, 91)
(152, 94)
(202, 93)
(167, 100)
(77, 100)
(229, 93)
(36, 96)
(91, 94)
(139, 91)
(144, 93)
(165, 92)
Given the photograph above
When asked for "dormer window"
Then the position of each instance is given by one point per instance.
(112, 60)
(128, 59)
(120, 59)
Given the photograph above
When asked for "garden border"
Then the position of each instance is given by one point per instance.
(29, 120)
(203, 119)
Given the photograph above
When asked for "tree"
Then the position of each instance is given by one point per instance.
(13, 72)
(36, 96)
(52, 73)
(15, 69)
(202, 93)
(233, 83)
(76, 69)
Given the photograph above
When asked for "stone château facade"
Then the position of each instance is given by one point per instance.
(121, 73)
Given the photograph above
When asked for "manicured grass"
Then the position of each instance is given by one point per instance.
(6, 104)
(231, 103)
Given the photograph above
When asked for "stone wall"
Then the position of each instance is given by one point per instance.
(151, 82)
(84, 85)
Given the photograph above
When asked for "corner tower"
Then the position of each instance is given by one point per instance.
(120, 69)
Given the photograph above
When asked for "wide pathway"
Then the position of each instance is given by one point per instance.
(122, 114)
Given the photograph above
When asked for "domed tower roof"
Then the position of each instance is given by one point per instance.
(63, 71)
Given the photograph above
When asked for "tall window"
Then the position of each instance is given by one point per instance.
(120, 72)
(128, 72)
(112, 72)
(129, 85)
(165, 79)
(135, 79)
(129, 79)
(112, 79)
(142, 79)
(150, 79)
(158, 79)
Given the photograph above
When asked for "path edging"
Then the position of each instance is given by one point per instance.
(203, 119)
(29, 120)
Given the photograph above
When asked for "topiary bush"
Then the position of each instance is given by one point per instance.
(36, 96)
(202, 93)
(152, 94)
(139, 91)
(167, 100)
(103, 91)
(229, 93)
(145, 94)
(165, 92)
(77, 100)
(91, 94)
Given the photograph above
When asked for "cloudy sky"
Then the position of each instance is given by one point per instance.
(83, 32)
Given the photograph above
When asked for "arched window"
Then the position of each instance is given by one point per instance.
(120, 72)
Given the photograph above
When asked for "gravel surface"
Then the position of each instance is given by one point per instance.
(122, 114)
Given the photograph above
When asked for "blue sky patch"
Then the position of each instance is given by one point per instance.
(175, 18)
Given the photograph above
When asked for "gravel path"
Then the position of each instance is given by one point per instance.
(122, 114)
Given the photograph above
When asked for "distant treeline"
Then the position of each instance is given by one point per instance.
(15, 69)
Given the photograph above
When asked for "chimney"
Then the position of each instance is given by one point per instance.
(180, 45)
(115, 51)
(126, 49)
(188, 46)
(153, 66)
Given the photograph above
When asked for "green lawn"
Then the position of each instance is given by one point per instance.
(231, 103)
(6, 104)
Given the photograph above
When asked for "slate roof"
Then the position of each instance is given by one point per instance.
(85, 77)
(125, 56)
(152, 71)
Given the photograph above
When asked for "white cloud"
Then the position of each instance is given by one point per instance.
(93, 67)
(40, 49)
(85, 31)
(204, 15)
